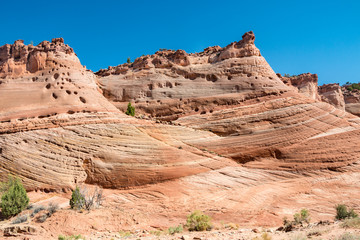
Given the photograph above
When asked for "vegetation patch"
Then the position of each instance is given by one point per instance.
(343, 213)
(351, 223)
(198, 221)
(173, 230)
(72, 237)
(130, 110)
(14, 198)
(83, 198)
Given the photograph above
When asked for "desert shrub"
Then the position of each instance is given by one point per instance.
(128, 60)
(298, 236)
(348, 236)
(77, 199)
(156, 232)
(351, 223)
(302, 217)
(72, 237)
(173, 230)
(264, 236)
(83, 198)
(124, 234)
(36, 210)
(198, 221)
(20, 219)
(14, 198)
(42, 218)
(52, 208)
(299, 218)
(130, 110)
(232, 226)
(355, 86)
(342, 212)
(93, 198)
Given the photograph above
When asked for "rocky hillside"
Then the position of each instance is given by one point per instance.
(341, 97)
(217, 131)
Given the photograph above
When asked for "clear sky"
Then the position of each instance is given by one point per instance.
(320, 37)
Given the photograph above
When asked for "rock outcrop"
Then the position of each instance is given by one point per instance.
(43, 81)
(232, 107)
(352, 100)
(264, 120)
(332, 94)
(238, 142)
(306, 84)
(166, 84)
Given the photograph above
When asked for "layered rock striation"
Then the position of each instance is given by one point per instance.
(37, 82)
(332, 94)
(225, 108)
(305, 83)
(169, 84)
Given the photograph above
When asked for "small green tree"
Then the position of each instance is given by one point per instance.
(77, 200)
(128, 60)
(14, 198)
(130, 110)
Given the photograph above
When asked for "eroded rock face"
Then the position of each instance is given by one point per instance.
(166, 84)
(306, 84)
(46, 80)
(332, 94)
(352, 101)
(232, 108)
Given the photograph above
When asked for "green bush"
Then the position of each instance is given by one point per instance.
(77, 200)
(14, 198)
(128, 60)
(301, 217)
(342, 212)
(130, 110)
(72, 237)
(198, 221)
(173, 230)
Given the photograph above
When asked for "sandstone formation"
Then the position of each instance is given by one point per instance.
(332, 94)
(169, 84)
(43, 81)
(306, 84)
(217, 131)
(352, 101)
(262, 121)
(47, 136)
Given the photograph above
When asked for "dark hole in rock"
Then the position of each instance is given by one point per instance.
(82, 99)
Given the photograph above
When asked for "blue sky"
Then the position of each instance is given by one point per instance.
(320, 37)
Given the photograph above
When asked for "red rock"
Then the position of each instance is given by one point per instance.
(306, 84)
(332, 94)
